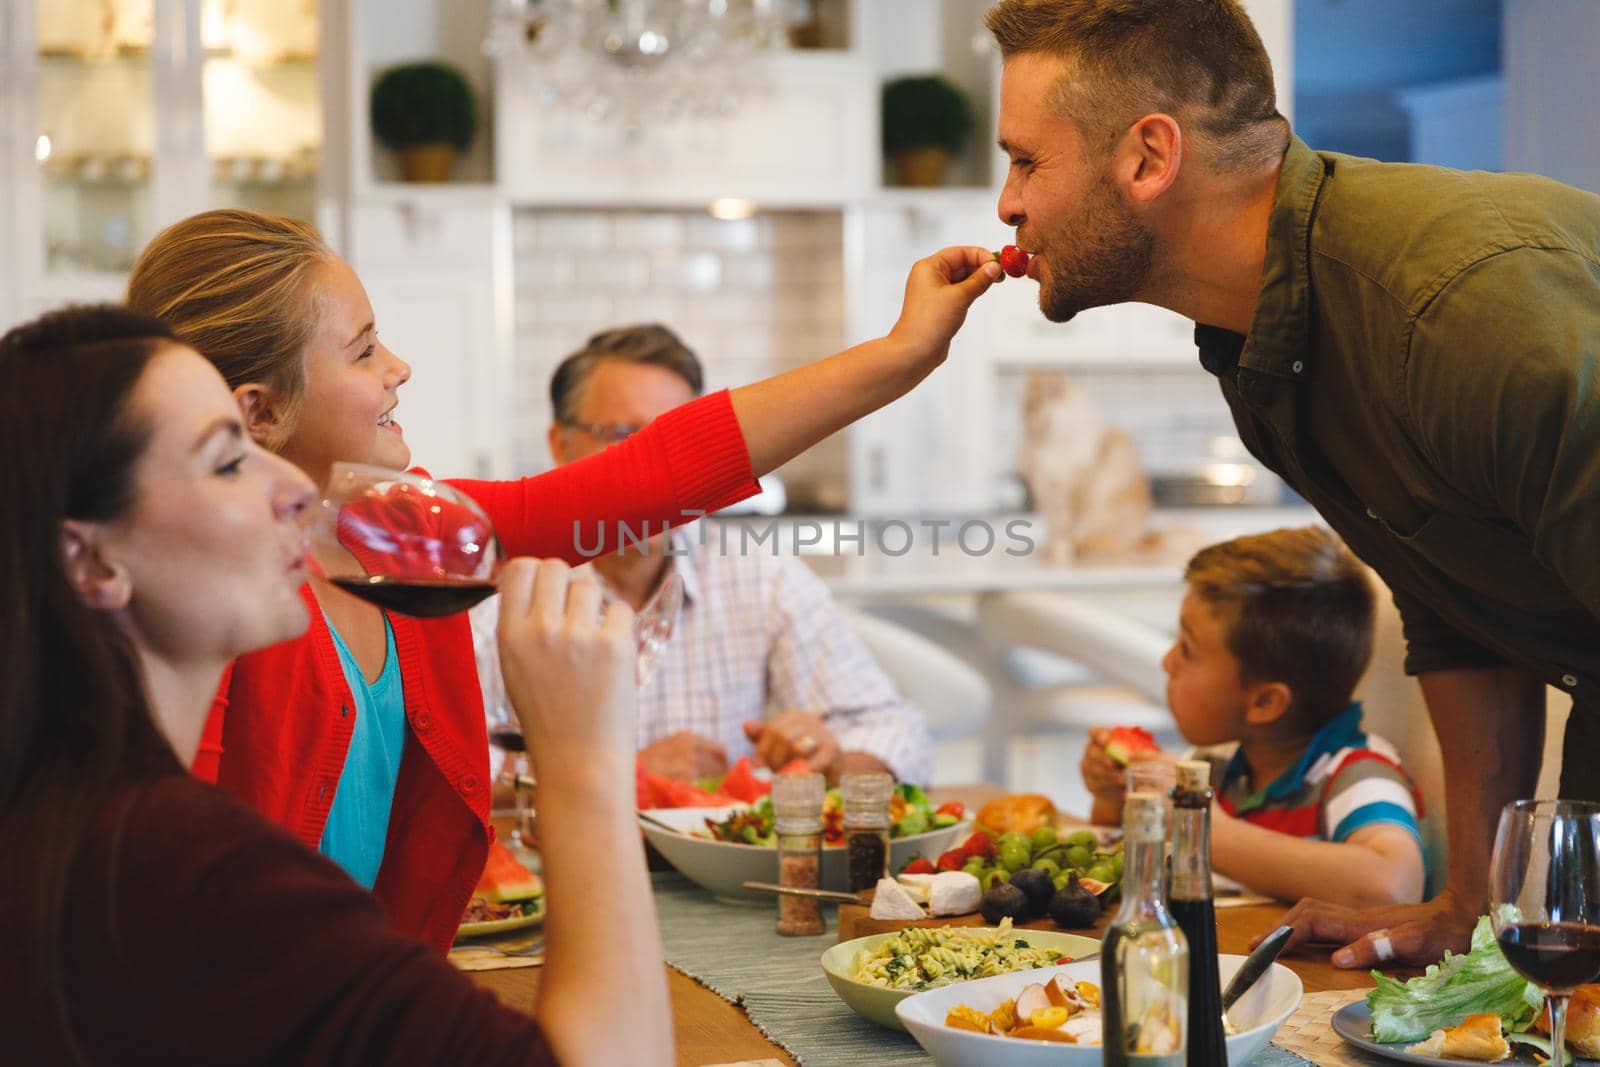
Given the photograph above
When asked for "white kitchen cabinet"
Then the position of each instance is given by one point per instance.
(119, 117)
(437, 269)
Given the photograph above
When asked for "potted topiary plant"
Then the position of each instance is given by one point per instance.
(425, 113)
(926, 120)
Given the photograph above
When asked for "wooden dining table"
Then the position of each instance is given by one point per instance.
(710, 1030)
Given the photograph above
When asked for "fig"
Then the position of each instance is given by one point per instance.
(1002, 901)
(1074, 907)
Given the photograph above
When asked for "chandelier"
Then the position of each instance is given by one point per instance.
(641, 62)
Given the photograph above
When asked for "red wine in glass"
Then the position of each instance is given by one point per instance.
(507, 739)
(1553, 955)
(403, 541)
(424, 598)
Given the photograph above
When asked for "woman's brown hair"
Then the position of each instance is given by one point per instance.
(236, 286)
(75, 724)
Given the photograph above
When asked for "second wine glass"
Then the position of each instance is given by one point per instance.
(1544, 897)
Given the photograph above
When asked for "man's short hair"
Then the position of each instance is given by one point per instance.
(1297, 608)
(651, 344)
(1200, 61)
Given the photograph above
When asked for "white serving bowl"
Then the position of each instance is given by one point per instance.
(723, 867)
(876, 1003)
(1258, 1014)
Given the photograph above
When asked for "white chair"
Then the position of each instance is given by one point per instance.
(954, 696)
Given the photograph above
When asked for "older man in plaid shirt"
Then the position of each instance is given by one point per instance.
(761, 661)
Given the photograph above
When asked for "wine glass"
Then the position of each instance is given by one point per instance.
(403, 541)
(1544, 898)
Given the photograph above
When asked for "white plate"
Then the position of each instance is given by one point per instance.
(1353, 1022)
(1260, 1011)
(723, 867)
(500, 926)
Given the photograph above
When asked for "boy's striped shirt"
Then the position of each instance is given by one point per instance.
(1346, 780)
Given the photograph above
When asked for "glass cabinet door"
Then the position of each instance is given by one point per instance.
(96, 133)
(262, 104)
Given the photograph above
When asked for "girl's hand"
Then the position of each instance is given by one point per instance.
(939, 291)
(569, 674)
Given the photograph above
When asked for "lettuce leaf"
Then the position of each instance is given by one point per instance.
(1452, 989)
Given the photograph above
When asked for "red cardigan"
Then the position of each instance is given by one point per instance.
(280, 728)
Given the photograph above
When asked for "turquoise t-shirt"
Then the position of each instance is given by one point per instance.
(358, 822)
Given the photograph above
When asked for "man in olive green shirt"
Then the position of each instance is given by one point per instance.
(1415, 350)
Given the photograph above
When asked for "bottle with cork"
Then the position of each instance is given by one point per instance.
(797, 821)
(1193, 908)
(1144, 958)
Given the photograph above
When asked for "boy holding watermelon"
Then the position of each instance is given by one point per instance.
(1275, 631)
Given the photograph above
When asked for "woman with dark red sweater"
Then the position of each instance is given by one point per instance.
(365, 737)
(150, 918)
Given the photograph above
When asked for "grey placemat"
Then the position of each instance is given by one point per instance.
(734, 952)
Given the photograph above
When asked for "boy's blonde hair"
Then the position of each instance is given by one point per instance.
(1297, 608)
(235, 285)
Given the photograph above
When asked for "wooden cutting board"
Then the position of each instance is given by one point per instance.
(855, 920)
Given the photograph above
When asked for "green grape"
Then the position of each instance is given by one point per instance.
(1103, 872)
(994, 877)
(1116, 863)
(974, 866)
(1050, 867)
(1014, 856)
(1015, 837)
(1088, 839)
(1044, 837)
(1079, 857)
(1060, 881)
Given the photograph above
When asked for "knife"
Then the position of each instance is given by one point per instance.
(816, 894)
(1255, 966)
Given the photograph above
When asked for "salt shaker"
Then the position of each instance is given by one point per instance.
(797, 818)
(866, 827)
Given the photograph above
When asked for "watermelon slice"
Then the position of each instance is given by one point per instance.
(742, 783)
(504, 879)
(1128, 741)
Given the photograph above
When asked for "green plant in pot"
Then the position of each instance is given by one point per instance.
(926, 121)
(425, 113)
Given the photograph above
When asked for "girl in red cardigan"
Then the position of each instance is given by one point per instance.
(406, 808)
(150, 918)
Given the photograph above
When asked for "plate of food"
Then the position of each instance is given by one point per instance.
(1051, 1017)
(721, 848)
(508, 897)
(874, 974)
(1468, 1007)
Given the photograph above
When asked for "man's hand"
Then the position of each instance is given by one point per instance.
(792, 735)
(685, 757)
(1413, 934)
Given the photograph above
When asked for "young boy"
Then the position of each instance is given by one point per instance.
(1274, 633)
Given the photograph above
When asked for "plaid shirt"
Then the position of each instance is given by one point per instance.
(759, 634)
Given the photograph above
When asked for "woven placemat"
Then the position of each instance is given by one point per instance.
(1308, 1032)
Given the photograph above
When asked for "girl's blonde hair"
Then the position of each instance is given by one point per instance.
(235, 285)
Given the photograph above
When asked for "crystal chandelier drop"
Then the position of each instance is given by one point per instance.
(640, 62)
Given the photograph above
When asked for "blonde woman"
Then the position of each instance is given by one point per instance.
(365, 737)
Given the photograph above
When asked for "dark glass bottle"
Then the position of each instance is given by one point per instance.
(1192, 906)
(1144, 959)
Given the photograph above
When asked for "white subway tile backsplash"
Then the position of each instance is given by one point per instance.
(752, 297)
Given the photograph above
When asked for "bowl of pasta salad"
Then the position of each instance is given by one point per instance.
(873, 974)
